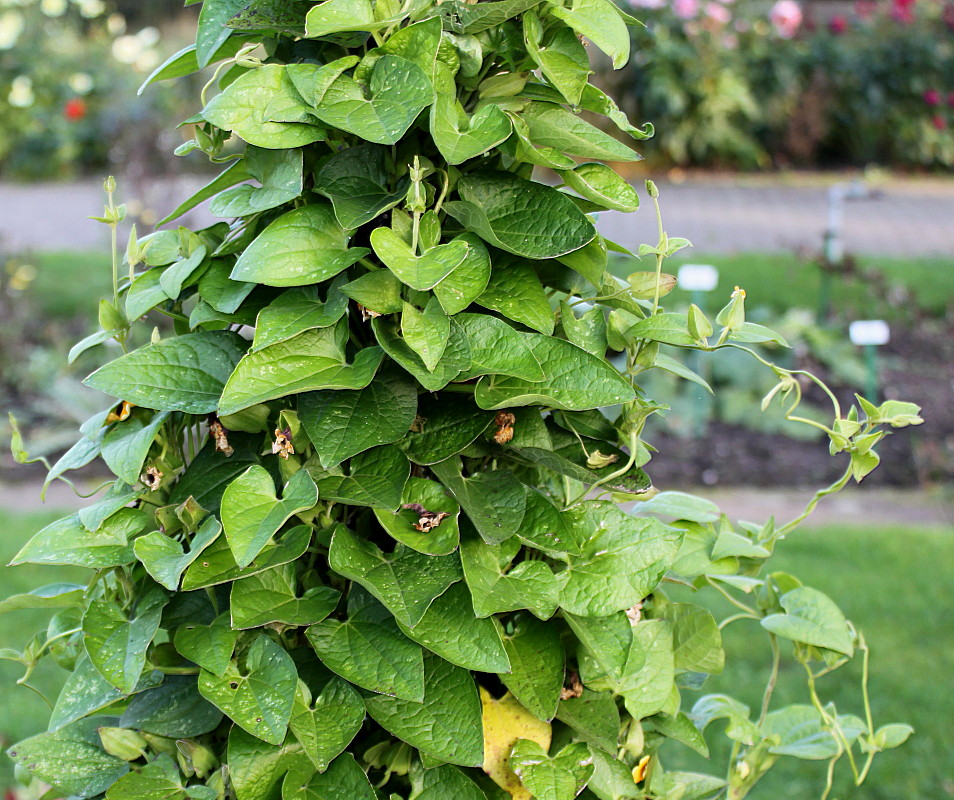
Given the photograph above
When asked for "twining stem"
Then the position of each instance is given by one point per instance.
(773, 678)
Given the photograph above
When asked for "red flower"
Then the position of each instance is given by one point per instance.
(932, 97)
(838, 25)
(938, 122)
(75, 109)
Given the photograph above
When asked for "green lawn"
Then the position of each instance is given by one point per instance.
(895, 585)
(23, 713)
(780, 281)
(68, 284)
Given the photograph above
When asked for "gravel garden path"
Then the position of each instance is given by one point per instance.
(895, 217)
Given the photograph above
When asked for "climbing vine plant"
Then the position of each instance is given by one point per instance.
(364, 538)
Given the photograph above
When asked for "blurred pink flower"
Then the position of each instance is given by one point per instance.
(902, 11)
(647, 3)
(950, 100)
(838, 25)
(865, 8)
(786, 17)
(718, 13)
(932, 97)
(685, 9)
(939, 122)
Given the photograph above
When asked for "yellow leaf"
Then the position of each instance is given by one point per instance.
(505, 721)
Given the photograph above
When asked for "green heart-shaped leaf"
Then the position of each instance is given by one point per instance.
(270, 597)
(186, 373)
(92, 770)
(116, 641)
(257, 696)
(450, 629)
(369, 650)
(127, 443)
(522, 217)
(811, 617)
(495, 501)
(516, 292)
(67, 541)
(355, 181)
(326, 725)
(456, 355)
(344, 780)
(459, 137)
(497, 588)
(426, 332)
(209, 646)
(446, 724)
(600, 184)
(165, 559)
(342, 424)
(304, 246)
(561, 57)
(559, 777)
(240, 109)
(551, 125)
(536, 665)
(445, 425)
(375, 478)
(305, 363)
(600, 22)
(397, 92)
(469, 278)
(252, 514)
(296, 311)
(418, 272)
(575, 381)
(218, 564)
(405, 581)
(622, 561)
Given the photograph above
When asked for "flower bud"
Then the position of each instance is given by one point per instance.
(733, 315)
(123, 743)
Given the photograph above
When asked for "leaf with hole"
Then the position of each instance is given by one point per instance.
(258, 694)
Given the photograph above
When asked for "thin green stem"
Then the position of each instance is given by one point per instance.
(773, 678)
(741, 606)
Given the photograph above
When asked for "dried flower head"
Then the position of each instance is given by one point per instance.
(151, 478)
(426, 520)
(220, 436)
(635, 614)
(283, 446)
(575, 689)
(504, 422)
(366, 313)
